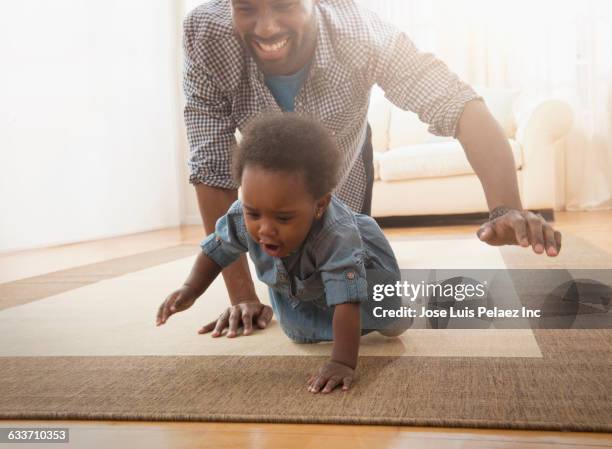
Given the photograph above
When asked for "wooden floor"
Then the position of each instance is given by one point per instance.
(592, 226)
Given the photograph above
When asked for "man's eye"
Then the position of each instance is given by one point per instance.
(284, 6)
(244, 9)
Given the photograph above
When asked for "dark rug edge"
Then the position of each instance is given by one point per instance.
(343, 420)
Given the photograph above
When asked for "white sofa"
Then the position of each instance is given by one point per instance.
(417, 173)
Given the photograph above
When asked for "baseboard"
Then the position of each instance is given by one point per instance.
(415, 220)
(192, 219)
(478, 218)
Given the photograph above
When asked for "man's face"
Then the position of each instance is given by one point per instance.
(279, 34)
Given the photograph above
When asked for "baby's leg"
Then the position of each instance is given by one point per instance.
(387, 316)
(392, 332)
(303, 322)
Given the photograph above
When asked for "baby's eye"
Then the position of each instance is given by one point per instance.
(252, 215)
(284, 219)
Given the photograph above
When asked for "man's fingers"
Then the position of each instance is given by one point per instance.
(520, 231)
(524, 228)
(551, 244)
(536, 235)
(234, 321)
(346, 383)
(558, 241)
(247, 323)
(486, 232)
(264, 317)
(221, 323)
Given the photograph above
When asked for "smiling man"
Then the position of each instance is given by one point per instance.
(321, 58)
(280, 36)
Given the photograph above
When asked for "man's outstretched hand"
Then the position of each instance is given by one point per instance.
(522, 228)
(244, 314)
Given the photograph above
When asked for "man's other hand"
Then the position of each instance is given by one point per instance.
(522, 228)
(244, 315)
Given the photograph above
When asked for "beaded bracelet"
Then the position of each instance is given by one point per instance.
(499, 211)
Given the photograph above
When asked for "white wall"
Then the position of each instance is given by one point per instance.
(89, 127)
(190, 210)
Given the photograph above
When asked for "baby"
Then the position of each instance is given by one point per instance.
(318, 258)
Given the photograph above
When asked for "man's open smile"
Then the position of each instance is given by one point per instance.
(271, 50)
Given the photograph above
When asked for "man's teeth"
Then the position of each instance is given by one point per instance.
(273, 47)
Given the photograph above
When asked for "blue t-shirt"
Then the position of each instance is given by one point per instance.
(285, 88)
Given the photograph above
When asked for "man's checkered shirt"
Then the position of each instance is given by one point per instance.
(224, 89)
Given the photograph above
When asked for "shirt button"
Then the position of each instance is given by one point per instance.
(350, 275)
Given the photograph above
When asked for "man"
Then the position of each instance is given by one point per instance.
(321, 57)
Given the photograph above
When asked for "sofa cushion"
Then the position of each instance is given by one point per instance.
(430, 160)
(376, 162)
(405, 128)
(501, 104)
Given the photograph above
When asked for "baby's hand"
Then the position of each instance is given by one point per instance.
(330, 376)
(177, 301)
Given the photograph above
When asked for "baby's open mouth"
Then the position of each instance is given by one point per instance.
(272, 249)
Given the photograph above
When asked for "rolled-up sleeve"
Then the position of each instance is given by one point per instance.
(228, 241)
(340, 262)
(417, 81)
(210, 126)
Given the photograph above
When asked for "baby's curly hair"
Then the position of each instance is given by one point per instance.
(290, 143)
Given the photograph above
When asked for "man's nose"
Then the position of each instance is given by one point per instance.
(266, 26)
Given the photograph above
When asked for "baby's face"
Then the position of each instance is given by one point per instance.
(278, 209)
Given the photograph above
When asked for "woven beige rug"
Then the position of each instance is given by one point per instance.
(81, 344)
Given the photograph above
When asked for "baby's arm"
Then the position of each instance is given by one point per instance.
(202, 274)
(347, 332)
(341, 367)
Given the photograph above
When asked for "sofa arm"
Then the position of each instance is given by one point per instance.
(542, 138)
(549, 122)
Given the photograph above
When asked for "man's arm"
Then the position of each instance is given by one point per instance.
(421, 83)
(213, 203)
(490, 155)
(210, 131)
